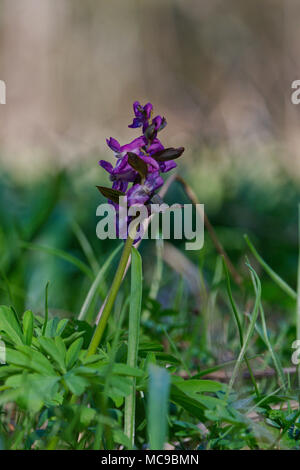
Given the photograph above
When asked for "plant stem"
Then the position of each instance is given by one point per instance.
(133, 341)
(111, 297)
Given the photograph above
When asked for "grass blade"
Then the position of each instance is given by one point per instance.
(277, 279)
(63, 255)
(236, 315)
(158, 402)
(249, 332)
(266, 339)
(86, 247)
(133, 339)
(94, 287)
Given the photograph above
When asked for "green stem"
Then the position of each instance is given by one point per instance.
(110, 298)
(133, 341)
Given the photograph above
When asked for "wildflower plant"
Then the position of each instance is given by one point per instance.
(139, 164)
(151, 379)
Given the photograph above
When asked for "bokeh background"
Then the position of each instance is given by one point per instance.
(221, 73)
(219, 70)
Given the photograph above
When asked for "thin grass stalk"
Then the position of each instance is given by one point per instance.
(274, 276)
(276, 362)
(93, 289)
(133, 340)
(248, 335)
(239, 327)
(86, 246)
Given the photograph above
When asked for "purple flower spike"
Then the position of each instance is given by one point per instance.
(144, 168)
(142, 115)
(142, 193)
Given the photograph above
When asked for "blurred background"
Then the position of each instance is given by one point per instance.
(219, 71)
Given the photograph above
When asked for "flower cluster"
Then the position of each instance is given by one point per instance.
(140, 162)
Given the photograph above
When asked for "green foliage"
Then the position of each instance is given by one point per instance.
(156, 352)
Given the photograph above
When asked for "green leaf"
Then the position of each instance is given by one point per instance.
(9, 396)
(229, 415)
(50, 347)
(73, 353)
(61, 346)
(6, 371)
(158, 404)
(35, 390)
(51, 328)
(76, 384)
(191, 405)
(121, 438)
(61, 326)
(207, 401)
(70, 339)
(124, 369)
(198, 386)
(120, 385)
(30, 359)
(28, 327)
(10, 326)
(86, 416)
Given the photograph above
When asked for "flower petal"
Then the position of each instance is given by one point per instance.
(106, 165)
(113, 144)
